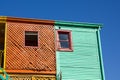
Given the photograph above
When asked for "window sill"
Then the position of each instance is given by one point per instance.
(65, 50)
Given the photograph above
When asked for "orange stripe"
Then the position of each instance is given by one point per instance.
(26, 20)
(31, 72)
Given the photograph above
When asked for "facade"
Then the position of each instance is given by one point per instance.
(32, 49)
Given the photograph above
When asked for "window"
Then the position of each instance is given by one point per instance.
(31, 38)
(1, 58)
(2, 36)
(64, 40)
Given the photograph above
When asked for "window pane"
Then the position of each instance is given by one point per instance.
(1, 58)
(2, 35)
(64, 44)
(31, 33)
(63, 36)
(31, 39)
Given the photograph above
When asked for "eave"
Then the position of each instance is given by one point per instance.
(78, 24)
(25, 20)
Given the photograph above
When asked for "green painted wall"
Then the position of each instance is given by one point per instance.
(84, 62)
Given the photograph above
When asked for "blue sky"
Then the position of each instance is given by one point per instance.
(106, 12)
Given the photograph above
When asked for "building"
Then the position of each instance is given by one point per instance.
(32, 49)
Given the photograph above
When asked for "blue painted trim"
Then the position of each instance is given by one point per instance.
(100, 55)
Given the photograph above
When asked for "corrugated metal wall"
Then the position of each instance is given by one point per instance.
(83, 63)
(21, 57)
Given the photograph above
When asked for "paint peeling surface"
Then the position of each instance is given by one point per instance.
(21, 57)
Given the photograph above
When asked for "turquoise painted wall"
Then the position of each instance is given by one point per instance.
(84, 62)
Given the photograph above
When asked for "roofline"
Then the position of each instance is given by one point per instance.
(52, 22)
(26, 20)
(79, 24)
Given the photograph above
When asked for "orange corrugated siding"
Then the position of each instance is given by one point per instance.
(21, 57)
(27, 20)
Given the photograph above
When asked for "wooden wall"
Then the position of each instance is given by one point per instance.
(83, 63)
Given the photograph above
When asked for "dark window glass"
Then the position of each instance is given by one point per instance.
(64, 44)
(1, 58)
(31, 38)
(63, 36)
(2, 35)
(2, 42)
(64, 39)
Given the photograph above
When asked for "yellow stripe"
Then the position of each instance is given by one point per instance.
(5, 42)
(3, 19)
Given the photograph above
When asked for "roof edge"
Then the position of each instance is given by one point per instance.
(92, 25)
(25, 20)
(38, 21)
